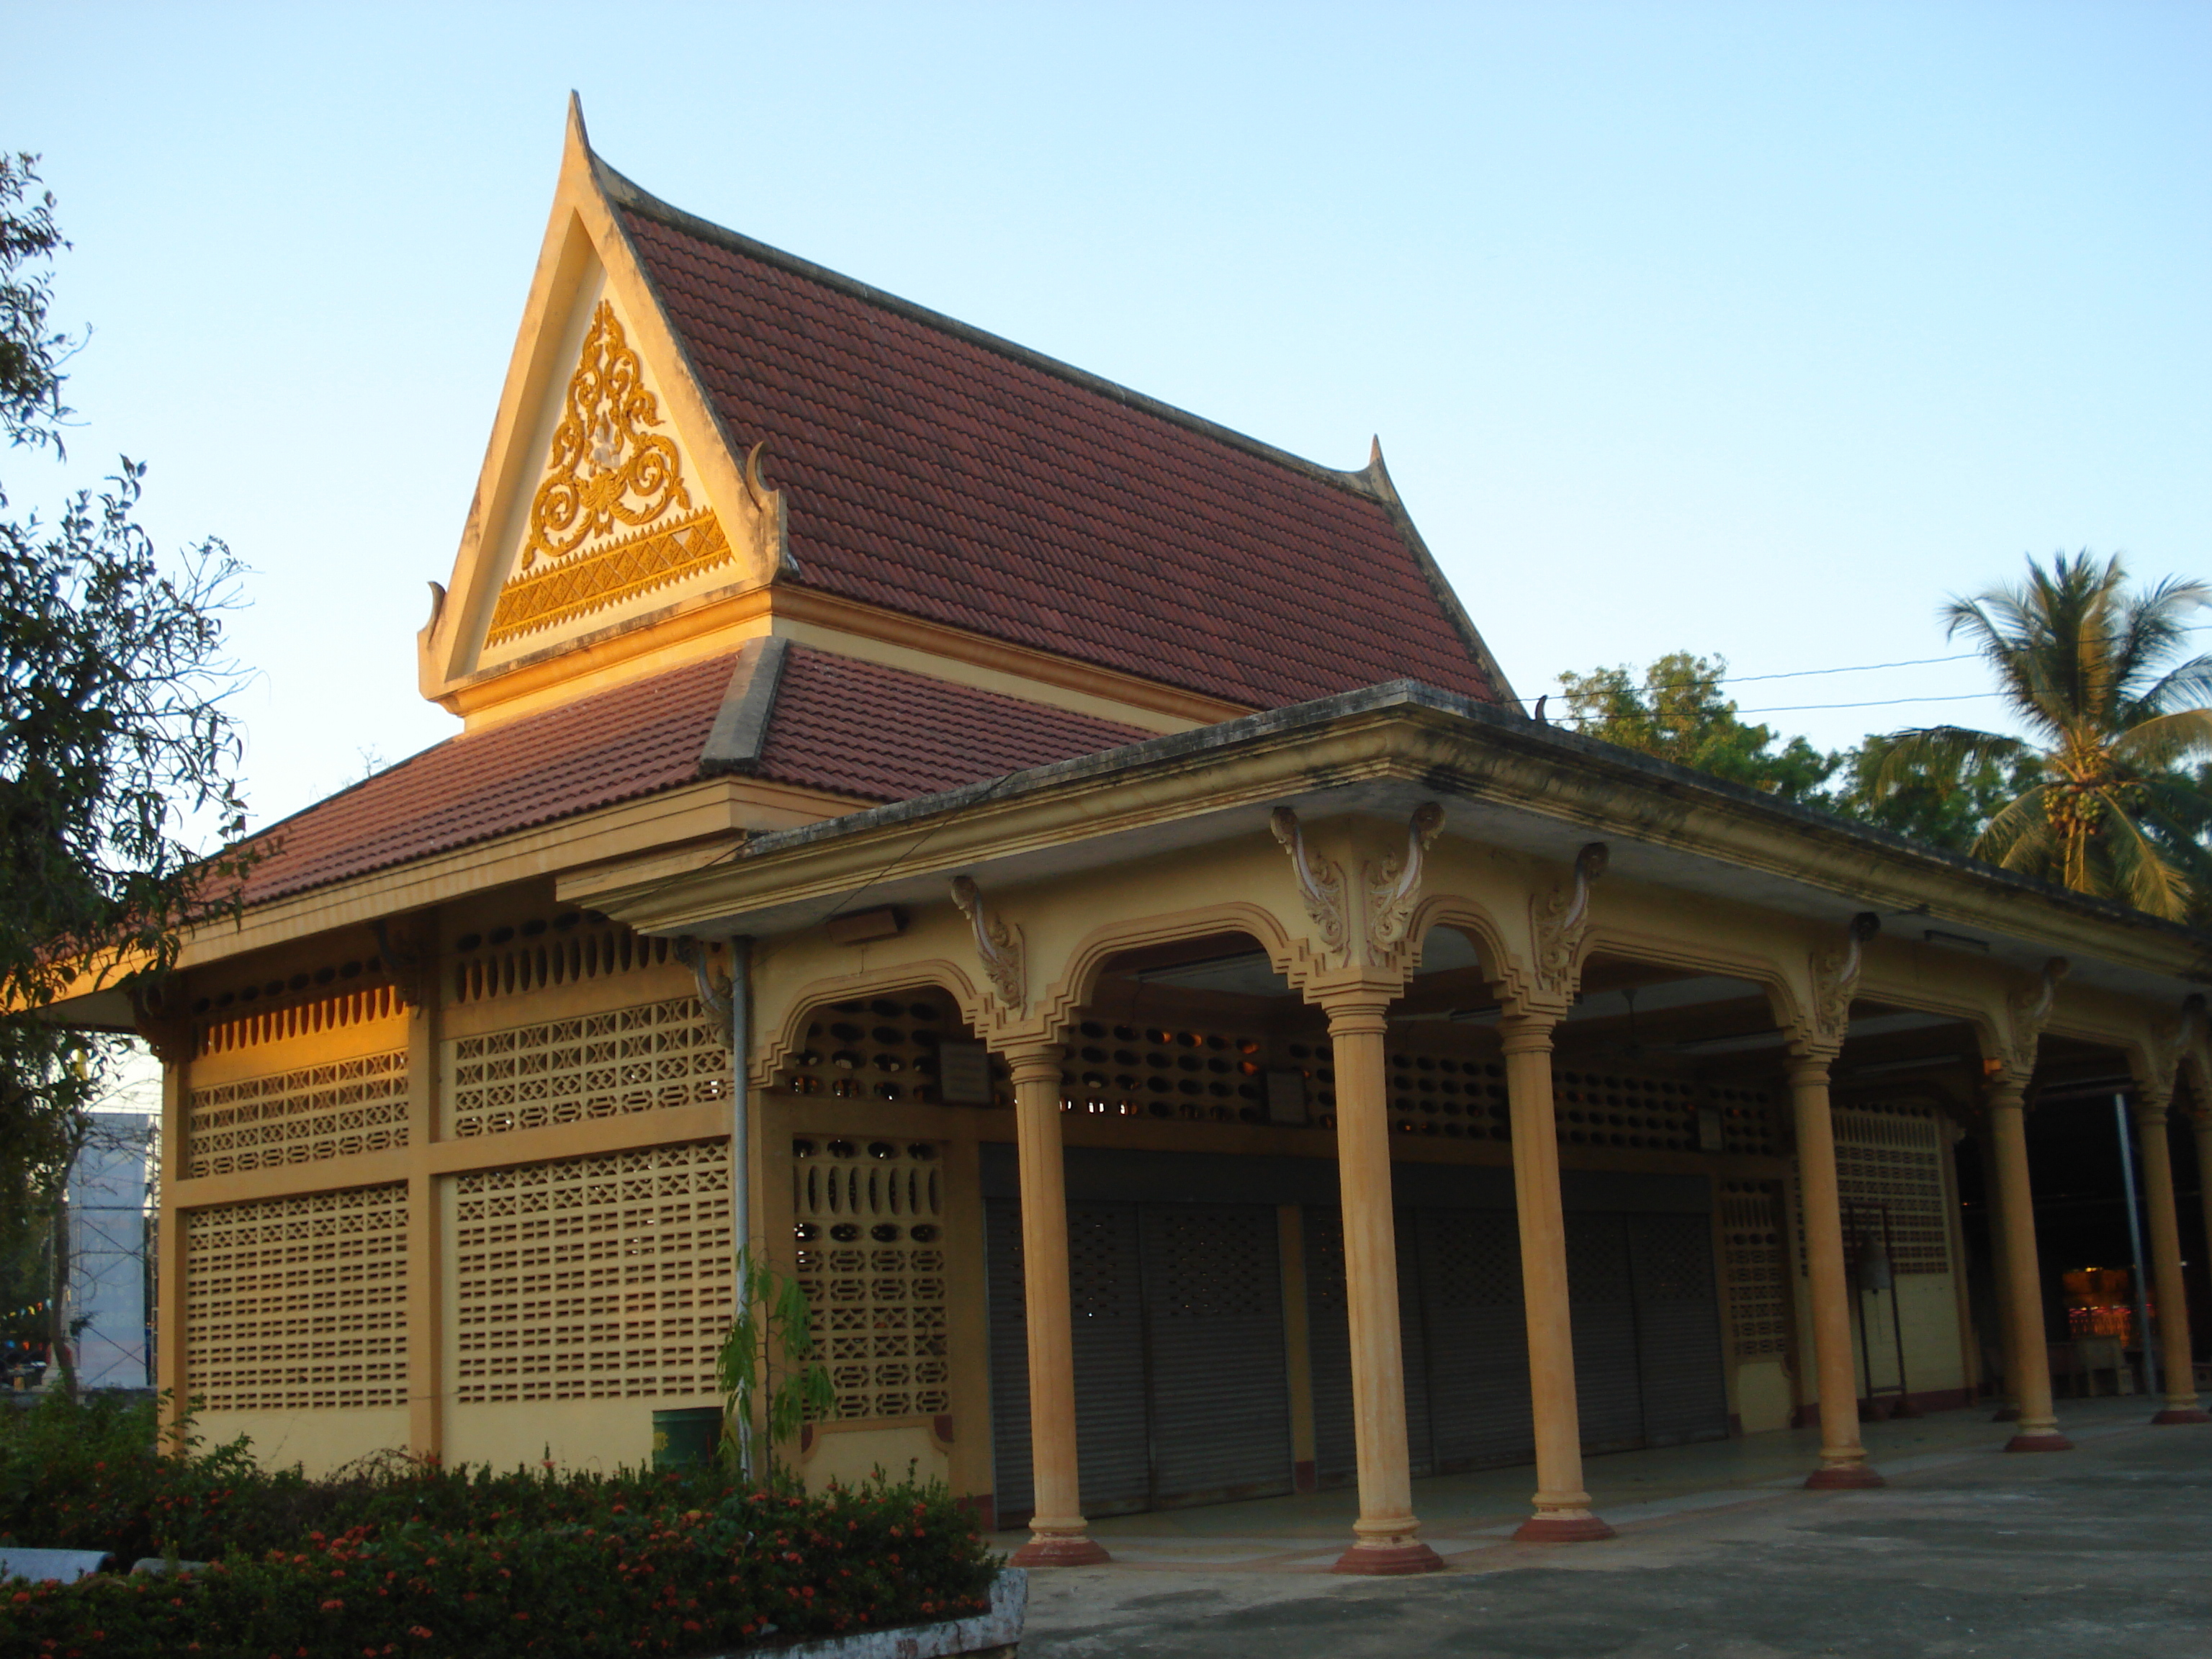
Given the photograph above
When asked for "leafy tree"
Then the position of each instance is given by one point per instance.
(113, 743)
(1677, 712)
(2110, 794)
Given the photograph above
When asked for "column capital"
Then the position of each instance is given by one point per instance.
(1031, 1060)
(2004, 1090)
(1807, 1067)
(1355, 1003)
(2151, 1111)
(1528, 1030)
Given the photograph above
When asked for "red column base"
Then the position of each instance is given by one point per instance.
(1061, 1553)
(1857, 1478)
(2181, 1414)
(2006, 1414)
(1562, 1529)
(2031, 1443)
(1389, 1560)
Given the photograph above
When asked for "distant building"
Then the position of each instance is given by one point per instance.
(110, 1254)
(1199, 1037)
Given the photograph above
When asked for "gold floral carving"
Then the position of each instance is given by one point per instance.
(609, 472)
(1395, 884)
(1320, 881)
(998, 943)
(1558, 920)
(607, 576)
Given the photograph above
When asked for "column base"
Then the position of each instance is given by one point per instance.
(1389, 1560)
(2173, 1414)
(2005, 1415)
(2049, 1440)
(1562, 1529)
(1060, 1550)
(1843, 1477)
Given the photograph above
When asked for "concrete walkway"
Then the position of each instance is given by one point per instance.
(2103, 1551)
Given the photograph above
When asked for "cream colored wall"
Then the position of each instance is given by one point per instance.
(319, 1442)
(597, 1435)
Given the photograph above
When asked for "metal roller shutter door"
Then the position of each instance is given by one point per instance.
(1220, 1398)
(1678, 1329)
(1107, 1325)
(1328, 1347)
(1477, 1339)
(1601, 1299)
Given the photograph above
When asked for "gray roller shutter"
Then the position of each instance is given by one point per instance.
(1107, 1330)
(1329, 1348)
(1477, 1339)
(1601, 1297)
(1011, 1491)
(1678, 1329)
(1220, 1396)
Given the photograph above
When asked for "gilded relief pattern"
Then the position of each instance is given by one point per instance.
(611, 474)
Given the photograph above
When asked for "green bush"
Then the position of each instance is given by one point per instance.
(398, 1558)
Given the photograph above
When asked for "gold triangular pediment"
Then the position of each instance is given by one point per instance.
(614, 516)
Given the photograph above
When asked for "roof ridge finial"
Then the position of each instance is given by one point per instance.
(577, 135)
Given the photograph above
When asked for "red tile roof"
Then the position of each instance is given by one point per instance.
(631, 741)
(856, 728)
(933, 470)
(837, 724)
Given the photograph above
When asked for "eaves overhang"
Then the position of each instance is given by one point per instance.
(1507, 782)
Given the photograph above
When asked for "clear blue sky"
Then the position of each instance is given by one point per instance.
(1750, 329)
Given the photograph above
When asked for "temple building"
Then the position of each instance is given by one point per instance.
(1071, 883)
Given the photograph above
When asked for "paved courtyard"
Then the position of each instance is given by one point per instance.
(2101, 1551)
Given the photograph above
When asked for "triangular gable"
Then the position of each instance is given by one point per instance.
(610, 495)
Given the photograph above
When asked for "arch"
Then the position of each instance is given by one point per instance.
(1077, 982)
(1457, 911)
(789, 1030)
(1782, 994)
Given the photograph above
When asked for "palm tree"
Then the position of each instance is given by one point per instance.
(2117, 807)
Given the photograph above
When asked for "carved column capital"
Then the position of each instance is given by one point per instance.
(1393, 888)
(1320, 883)
(2026, 1010)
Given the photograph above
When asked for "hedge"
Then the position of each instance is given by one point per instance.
(425, 1561)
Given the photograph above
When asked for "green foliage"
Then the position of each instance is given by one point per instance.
(2108, 794)
(435, 1561)
(113, 738)
(767, 1370)
(1676, 712)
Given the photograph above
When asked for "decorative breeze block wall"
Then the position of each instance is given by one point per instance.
(870, 1251)
(298, 1303)
(333, 1110)
(641, 1058)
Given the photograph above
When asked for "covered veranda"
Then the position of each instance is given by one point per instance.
(1336, 840)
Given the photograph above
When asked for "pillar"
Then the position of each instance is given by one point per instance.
(1843, 1459)
(2029, 1350)
(1387, 1534)
(2008, 1409)
(2181, 1405)
(172, 1371)
(1057, 1535)
(1563, 1513)
(426, 1232)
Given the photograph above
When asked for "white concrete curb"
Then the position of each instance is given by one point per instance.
(987, 1632)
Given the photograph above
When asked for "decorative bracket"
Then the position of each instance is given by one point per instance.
(1558, 919)
(999, 943)
(716, 990)
(2025, 1012)
(405, 963)
(1320, 881)
(1835, 973)
(1394, 885)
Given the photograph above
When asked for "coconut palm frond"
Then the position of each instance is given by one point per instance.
(1899, 758)
(2165, 740)
(2141, 872)
(2152, 626)
(2019, 837)
(2188, 686)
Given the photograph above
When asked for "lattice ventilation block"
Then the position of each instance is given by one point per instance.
(870, 1253)
(298, 1303)
(334, 1110)
(645, 1059)
(592, 1277)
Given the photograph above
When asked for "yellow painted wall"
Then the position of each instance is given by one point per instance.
(319, 1442)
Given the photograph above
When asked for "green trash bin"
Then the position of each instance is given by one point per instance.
(687, 1437)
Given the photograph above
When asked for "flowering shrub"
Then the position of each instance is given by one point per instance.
(435, 1562)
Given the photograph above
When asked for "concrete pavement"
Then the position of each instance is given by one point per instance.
(2100, 1551)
